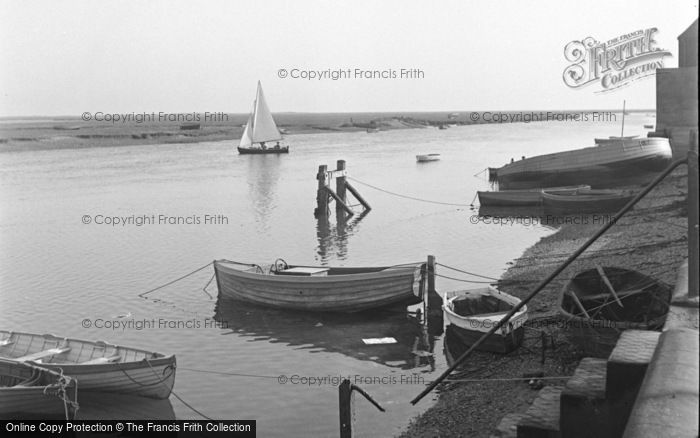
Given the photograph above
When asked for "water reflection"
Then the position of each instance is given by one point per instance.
(336, 333)
(111, 406)
(333, 240)
(263, 171)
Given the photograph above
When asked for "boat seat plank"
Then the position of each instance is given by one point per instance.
(101, 360)
(42, 354)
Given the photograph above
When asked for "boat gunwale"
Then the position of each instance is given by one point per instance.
(518, 318)
(157, 357)
(377, 272)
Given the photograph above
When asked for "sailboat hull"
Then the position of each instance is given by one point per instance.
(251, 151)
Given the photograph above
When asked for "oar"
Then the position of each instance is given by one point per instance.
(578, 304)
(601, 272)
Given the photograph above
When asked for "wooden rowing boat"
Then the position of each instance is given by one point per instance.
(28, 391)
(474, 312)
(424, 158)
(586, 201)
(598, 304)
(97, 366)
(611, 162)
(318, 288)
(522, 198)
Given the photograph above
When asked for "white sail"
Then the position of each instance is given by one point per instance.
(246, 138)
(264, 128)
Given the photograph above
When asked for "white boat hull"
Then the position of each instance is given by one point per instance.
(342, 290)
(130, 370)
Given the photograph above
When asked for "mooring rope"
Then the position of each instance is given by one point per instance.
(175, 395)
(462, 280)
(406, 196)
(467, 272)
(175, 281)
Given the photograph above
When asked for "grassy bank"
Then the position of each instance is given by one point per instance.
(652, 239)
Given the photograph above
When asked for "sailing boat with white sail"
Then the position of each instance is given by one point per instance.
(261, 130)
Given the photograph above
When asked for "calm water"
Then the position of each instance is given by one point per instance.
(56, 271)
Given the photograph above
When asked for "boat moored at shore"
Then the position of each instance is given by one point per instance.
(472, 313)
(612, 162)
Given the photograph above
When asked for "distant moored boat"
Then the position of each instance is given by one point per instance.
(613, 161)
(427, 157)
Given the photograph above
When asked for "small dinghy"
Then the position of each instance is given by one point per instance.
(474, 312)
(599, 303)
(28, 391)
(424, 158)
(524, 197)
(96, 365)
(586, 201)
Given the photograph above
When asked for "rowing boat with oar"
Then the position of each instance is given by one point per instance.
(599, 303)
(30, 391)
(320, 288)
(474, 312)
(96, 365)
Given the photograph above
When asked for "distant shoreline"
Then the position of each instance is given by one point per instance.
(49, 133)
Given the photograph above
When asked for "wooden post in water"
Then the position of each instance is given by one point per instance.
(345, 407)
(693, 241)
(340, 188)
(434, 300)
(321, 195)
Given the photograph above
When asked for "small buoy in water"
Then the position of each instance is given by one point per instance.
(318, 324)
(127, 315)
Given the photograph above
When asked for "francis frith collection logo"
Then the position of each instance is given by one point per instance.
(614, 63)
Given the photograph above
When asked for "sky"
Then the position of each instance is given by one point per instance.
(68, 57)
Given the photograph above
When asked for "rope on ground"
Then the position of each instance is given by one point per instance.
(174, 281)
(408, 197)
(467, 272)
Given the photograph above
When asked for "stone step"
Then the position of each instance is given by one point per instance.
(628, 363)
(508, 427)
(584, 410)
(541, 420)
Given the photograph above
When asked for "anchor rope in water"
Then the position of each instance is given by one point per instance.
(406, 196)
(175, 281)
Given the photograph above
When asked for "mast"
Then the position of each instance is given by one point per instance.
(622, 134)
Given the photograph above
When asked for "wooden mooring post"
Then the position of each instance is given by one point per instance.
(346, 406)
(324, 194)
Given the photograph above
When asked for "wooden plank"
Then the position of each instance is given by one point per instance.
(101, 360)
(42, 354)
